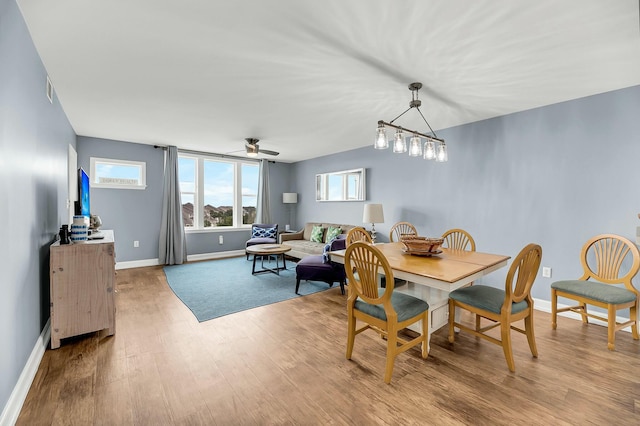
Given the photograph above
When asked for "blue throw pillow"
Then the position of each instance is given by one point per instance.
(263, 232)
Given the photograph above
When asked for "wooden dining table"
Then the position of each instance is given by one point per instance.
(432, 278)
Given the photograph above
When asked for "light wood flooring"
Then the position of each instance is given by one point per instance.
(285, 364)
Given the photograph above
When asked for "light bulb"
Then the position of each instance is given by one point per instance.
(441, 155)
(429, 150)
(399, 144)
(381, 138)
(415, 147)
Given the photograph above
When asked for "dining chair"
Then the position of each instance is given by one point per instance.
(400, 229)
(458, 239)
(358, 234)
(381, 309)
(608, 260)
(501, 307)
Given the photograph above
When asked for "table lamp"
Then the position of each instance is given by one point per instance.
(373, 214)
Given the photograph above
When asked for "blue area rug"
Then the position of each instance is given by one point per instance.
(216, 288)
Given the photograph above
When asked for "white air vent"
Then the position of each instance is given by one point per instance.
(49, 90)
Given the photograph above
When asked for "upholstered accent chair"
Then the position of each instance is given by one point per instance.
(262, 233)
(609, 262)
(321, 268)
(501, 307)
(381, 309)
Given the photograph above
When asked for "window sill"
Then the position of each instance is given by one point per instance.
(216, 230)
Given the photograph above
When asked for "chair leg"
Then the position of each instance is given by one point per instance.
(633, 316)
(554, 309)
(297, 285)
(425, 335)
(392, 349)
(505, 330)
(452, 317)
(611, 327)
(583, 310)
(351, 333)
(531, 338)
(342, 283)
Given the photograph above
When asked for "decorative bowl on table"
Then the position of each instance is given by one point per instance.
(421, 246)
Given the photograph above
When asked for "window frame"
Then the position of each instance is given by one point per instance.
(115, 162)
(198, 193)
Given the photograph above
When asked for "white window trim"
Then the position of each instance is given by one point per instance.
(198, 208)
(141, 164)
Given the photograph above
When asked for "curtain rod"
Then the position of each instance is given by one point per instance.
(212, 154)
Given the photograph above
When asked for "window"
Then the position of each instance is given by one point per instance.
(217, 193)
(121, 174)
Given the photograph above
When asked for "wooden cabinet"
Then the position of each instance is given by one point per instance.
(82, 280)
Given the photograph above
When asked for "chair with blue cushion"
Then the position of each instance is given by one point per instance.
(321, 268)
(262, 233)
(501, 307)
(381, 309)
(609, 262)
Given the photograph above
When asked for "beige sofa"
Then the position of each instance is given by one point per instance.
(300, 243)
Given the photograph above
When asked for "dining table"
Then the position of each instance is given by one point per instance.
(432, 277)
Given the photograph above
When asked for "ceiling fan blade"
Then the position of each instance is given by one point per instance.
(266, 151)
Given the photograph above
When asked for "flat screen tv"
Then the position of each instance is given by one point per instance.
(83, 204)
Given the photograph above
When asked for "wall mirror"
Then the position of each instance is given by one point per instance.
(346, 185)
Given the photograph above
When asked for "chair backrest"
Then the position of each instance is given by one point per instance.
(603, 257)
(401, 228)
(522, 274)
(358, 234)
(362, 261)
(458, 239)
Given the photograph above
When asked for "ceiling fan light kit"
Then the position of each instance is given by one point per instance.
(253, 149)
(434, 147)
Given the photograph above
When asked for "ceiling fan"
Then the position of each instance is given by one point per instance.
(253, 149)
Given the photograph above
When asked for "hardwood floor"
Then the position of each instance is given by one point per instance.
(285, 364)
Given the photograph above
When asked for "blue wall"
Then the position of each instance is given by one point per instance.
(34, 140)
(135, 215)
(555, 176)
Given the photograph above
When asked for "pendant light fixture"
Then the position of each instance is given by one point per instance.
(434, 147)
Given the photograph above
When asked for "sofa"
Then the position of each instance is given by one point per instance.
(301, 242)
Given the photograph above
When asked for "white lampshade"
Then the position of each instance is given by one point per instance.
(289, 197)
(373, 213)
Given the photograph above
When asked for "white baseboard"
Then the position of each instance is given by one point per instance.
(11, 411)
(545, 306)
(215, 255)
(137, 263)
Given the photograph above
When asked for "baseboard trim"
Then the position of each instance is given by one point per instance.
(137, 263)
(545, 306)
(215, 255)
(11, 411)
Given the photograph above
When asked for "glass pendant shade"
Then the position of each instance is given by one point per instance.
(415, 147)
(441, 154)
(381, 141)
(429, 150)
(399, 144)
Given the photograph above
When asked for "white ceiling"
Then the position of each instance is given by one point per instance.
(310, 78)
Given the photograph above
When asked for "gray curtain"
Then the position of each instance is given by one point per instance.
(173, 244)
(263, 213)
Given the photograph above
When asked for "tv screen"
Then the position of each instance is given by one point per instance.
(83, 204)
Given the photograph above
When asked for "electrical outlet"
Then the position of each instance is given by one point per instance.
(546, 272)
(136, 243)
(220, 239)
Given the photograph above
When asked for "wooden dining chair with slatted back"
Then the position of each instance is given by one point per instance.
(501, 307)
(400, 229)
(381, 309)
(458, 239)
(610, 262)
(358, 234)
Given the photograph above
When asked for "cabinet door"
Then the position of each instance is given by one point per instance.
(82, 289)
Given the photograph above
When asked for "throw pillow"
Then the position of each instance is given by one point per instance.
(264, 233)
(316, 234)
(332, 233)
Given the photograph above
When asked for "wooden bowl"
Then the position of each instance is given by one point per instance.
(421, 244)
